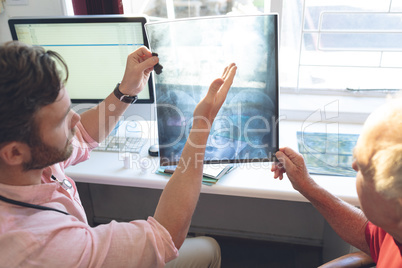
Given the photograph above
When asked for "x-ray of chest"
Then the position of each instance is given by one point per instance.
(193, 52)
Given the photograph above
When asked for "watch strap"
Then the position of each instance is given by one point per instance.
(122, 97)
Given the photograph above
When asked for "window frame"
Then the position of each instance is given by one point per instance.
(354, 106)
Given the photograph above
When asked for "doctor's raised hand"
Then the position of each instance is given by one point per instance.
(207, 109)
(179, 198)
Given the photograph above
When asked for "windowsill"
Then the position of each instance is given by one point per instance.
(330, 106)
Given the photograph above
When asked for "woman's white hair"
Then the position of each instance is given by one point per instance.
(386, 162)
(387, 167)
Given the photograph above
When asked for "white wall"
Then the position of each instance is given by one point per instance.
(34, 8)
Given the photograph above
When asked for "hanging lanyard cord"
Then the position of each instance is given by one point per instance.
(28, 205)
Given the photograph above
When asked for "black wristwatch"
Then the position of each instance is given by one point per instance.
(122, 97)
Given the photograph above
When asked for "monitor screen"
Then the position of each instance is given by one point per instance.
(95, 49)
(193, 53)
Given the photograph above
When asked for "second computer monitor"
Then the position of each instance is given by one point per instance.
(94, 47)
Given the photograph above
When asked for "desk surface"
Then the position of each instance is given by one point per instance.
(247, 180)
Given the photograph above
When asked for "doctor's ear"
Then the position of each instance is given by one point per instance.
(14, 153)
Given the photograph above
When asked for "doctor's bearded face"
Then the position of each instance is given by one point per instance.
(44, 155)
(50, 142)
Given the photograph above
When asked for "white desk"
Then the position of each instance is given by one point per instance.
(248, 180)
(246, 203)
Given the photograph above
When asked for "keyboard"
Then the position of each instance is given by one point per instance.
(122, 144)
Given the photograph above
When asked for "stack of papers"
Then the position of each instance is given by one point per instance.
(212, 172)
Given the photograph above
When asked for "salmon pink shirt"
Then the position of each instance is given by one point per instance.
(36, 238)
(385, 250)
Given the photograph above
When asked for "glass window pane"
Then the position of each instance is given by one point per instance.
(360, 41)
(396, 6)
(342, 44)
(156, 8)
(357, 78)
(373, 21)
(314, 9)
(391, 59)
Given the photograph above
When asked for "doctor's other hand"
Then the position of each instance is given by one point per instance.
(291, 163)
(207, 109)
(139, 66)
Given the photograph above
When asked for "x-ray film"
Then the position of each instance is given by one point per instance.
(193, 53)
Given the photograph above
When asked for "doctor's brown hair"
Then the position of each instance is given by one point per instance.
(29, 80)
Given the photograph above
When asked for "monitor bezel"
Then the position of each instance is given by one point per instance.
(13, 21)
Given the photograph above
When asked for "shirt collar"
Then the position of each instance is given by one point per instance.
(35, 194)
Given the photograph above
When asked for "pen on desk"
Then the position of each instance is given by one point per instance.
(168, 171)
(231, 169)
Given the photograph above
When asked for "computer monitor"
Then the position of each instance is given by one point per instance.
(95, 49)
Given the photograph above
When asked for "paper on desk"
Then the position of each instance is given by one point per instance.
(212, 172)
(216, 171)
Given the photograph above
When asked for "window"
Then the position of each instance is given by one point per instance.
(331, 51)
(342, 45)
(325, 44)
